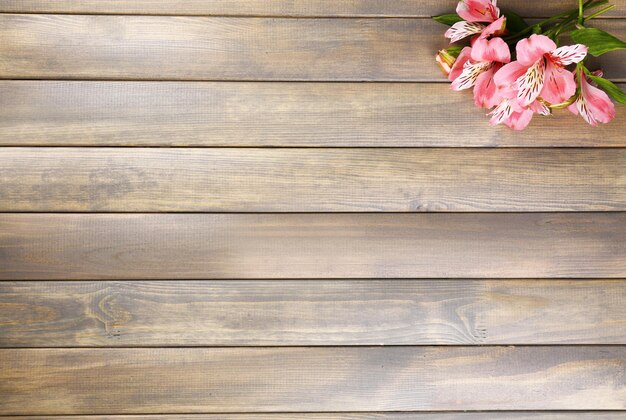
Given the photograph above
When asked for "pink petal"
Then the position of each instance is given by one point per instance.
(531, 49)
(506, 77)
(463, 29)
(583, 109)
(573, 108)
(501, 113)
(486, 91)
(496, 27)
(530, 83)
(457, 67)
(569, 54)
(540, 108)
(470, 73)
(559, 84)
(597, 102)
(478, 10)
(494, 49)
(519, 120)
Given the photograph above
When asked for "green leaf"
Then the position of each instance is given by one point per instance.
(449, 20)
(608, 86)
(515, 23)
(598, 42)
(454, 50)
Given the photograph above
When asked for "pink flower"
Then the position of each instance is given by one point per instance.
(592, 103)
(539, 71)
(510, 113)
(478, 10)
(476, 66)
(463, 29)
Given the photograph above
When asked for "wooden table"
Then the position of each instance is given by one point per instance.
(215, 208)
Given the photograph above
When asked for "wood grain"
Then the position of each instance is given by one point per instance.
(311, 180)
(284, 313)
(508, 415)
(225, 48)
(79, 113)
(270, 246)
(405, 8)
(98, 381)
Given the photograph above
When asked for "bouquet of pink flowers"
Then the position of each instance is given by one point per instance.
(519, 69)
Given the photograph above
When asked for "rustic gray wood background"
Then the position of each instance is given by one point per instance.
(216, 208)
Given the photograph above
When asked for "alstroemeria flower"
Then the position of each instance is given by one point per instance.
(463, 29)
(510, 113)
(485, 56)
(539, 71)
(593, 104)
(478, 10)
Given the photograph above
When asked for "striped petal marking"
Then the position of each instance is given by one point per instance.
(583, 109)
(568, 54)
(463, 29)
(540, 108)
(470, 73)
(501, 113)
(529, 85)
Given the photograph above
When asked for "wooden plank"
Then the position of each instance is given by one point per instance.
(311, 180)
(270, 246)
(292, 313)
(149, 380)
(79, 113)
(405, 8)
(508, 415)
(223, 48)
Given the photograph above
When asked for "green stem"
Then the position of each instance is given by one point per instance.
(541, 23)
(599, 12)
(567, 17)
(567, 24)
(581, 16)
(572, 18)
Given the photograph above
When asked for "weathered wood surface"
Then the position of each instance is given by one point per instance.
(283, 246)
(286, 313)
(80, 113)
(482, 415)
(160, 301)
(231, 48)
(387, 8)
(311, 180)
(201, 380)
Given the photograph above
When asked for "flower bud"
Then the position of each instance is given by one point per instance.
(445, 61)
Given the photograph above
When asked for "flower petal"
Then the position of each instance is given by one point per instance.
(496, 27)
(531, 49)
(478, 10)
(530, 83)
(519, 120)
(501, 113)
(470, 73)
(583, 109)
(485, 90)
(457, 67)
(569, 54)
(463, 29)
(494, 49)
(559, 84)
(540, 108)
(596, 102)
(506, 77)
